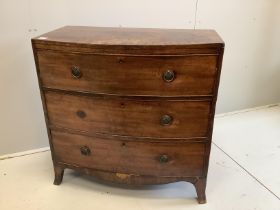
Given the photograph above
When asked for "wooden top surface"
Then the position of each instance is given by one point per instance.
(131, 36)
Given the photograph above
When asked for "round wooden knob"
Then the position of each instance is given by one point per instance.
(76, 72)
(168, 76)
(163, 159)
(81, 114)
(166, 120)
(85, 151)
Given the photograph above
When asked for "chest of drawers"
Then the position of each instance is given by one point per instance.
(127, 105)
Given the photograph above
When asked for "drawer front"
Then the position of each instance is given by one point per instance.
(140, 158)
(129, 75)
(129, 117)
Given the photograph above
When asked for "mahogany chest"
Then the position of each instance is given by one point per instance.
(128, 105)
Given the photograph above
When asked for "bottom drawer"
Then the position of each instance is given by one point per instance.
(130, 157)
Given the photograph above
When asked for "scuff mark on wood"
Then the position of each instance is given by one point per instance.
(123, 176)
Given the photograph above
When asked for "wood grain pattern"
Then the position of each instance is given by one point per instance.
(130, 41)
(130, 179)
(127, 117)
(132, 36)
(129, 75)
(128, 157)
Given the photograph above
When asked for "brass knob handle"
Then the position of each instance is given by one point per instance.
(168, 76)
(163, 159)
(85, 150)
(166, 120)
(76, 72)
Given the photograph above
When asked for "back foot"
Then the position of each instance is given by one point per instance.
(58, 174)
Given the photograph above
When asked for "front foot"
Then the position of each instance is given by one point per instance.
(58, 174)
(200, 186)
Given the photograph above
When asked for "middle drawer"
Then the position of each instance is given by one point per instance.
(168, 118)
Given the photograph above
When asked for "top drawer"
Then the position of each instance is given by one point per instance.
(129, 75)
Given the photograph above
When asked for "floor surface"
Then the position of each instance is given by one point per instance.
(244, 174)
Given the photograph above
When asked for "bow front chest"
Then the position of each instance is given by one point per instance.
(128, 105)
